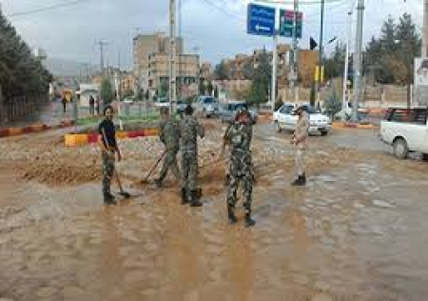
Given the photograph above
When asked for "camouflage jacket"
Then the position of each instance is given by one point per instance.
(239, 138)
(302, 128)
(190, 129)
(169, 133)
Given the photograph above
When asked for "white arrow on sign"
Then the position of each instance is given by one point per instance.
(258, 27)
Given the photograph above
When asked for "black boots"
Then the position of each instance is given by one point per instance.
(158, 183)
(184, 199)
(300, 181)
(249, 222)
(231, 214)
(109, 199)
(194, 198)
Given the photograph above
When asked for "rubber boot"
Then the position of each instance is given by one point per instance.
(249, 222)
(231, 214)
(158, 183)
(298, 182)
(227, 180)
(303, 180)
(194, 200)
(109, 199)
(184, 199)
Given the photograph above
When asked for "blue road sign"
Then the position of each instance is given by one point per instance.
(261, 20)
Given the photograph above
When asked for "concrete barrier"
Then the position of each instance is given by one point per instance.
(83, 139)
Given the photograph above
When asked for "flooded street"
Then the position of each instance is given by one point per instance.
(357, 231)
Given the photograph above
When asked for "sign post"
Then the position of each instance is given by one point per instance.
(261, 20)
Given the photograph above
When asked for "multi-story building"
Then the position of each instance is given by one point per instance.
(187, 69)
(150, 53)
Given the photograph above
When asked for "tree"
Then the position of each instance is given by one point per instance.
(201, 87)
(391, 55)
(222, 71)
(259, 89)
(163, 89)
(335, 64)
(20, 72)
(210, 88)
(333, 105)
(107, 94)
(216, 92)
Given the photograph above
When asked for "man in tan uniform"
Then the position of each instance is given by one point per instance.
(299, 140)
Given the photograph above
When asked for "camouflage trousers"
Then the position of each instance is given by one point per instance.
(189, 168)
(170, 163)
(108, 171)
(240, 172)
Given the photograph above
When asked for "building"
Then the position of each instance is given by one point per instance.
(146, 45)
(158, 70)
(206, 71)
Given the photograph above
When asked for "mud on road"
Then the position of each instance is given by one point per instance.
(356, 232)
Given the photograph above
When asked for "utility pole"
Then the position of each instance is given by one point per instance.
(358, 59)
(172, 57)
(295, 68)
(319, 73)
(102, 44)
(425, 31)
(345, 73)
(274, 67)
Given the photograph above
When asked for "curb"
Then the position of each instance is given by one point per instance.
(34, 128)
(84, 139)
(349, 125)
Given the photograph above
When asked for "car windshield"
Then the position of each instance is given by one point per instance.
(234, 107)
(312, 110)
(208, 100)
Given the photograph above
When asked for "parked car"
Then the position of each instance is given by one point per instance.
(128, 100)
(285, 119)
(181, 106)
(162, 102)
(206, 106)
(406, 130)
(228, 110)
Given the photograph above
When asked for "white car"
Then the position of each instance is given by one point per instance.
(406, 130)
(162, 102)
(285, 119)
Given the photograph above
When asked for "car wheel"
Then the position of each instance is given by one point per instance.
(324, 133)
(278, 127)
(401, 150)
(425, 157)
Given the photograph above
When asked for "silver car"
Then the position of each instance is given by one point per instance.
(228, 110)
(206, 106)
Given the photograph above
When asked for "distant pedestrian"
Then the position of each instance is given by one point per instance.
(91, 105)
(239, 137)
(299, 141)
(190, 129)
(169, 134)
(98, 105)
(109, 149)
(64, 104)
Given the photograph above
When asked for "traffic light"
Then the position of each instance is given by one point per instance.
(312, 44)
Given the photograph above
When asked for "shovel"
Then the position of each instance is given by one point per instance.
(146, 179)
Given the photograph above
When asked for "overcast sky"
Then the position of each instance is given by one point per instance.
(216, 27)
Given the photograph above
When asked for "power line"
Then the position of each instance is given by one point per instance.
(46, 8)
(211, 3)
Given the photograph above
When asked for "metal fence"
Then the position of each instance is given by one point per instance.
(19, 108)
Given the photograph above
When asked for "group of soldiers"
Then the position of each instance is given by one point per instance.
(182, 136)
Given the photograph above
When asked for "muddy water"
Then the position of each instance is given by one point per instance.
(356, 232)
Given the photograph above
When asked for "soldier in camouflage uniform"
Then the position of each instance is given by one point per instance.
(190, 129)
(239, 137)
(169, 134)
(109, 149)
